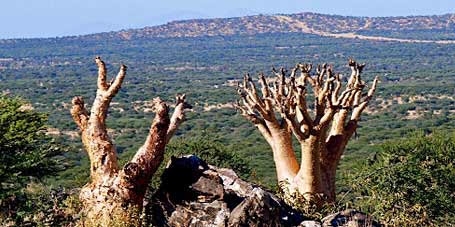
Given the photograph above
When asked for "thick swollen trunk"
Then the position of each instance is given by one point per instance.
(114, 196)
(316, 176)
(108, 203)
(308, 179)
(286, 164)
(328, 176)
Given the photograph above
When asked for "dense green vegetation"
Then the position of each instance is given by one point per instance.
(412, 34)
(25, 151)
(410, 182)
(26, 156)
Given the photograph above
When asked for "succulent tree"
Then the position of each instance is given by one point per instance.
(114, 194)
(280, 108)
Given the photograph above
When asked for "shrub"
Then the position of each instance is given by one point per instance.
(411, 182)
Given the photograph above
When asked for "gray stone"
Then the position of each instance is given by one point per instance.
(233, 183)
(310, 224)
(209, 187)
(214, 214)
(349, 218)
(193, 193)
(260, 208)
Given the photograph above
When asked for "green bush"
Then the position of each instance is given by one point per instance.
(411, 182)
(25, 151)
(43, 206)
(26, 155)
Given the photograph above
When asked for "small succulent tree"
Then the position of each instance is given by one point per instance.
(322, 131)
(115, 195)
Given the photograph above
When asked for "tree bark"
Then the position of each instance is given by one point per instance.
(309, 178)
(114, 196)
(286, 164)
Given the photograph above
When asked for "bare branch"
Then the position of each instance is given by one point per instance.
(359, 109)
(116, 84)
(321, 72)
(105, 93)
(266, 93)
(301, 133)
(147, 159)
(102, 85)
(352, 78)
(251, 97)
(302, 114)
(327, 118)
(257, 121)
(178, 116)
(79, 113)
(279, 86)
(336, 90)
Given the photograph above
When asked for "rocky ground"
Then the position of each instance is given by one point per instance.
(193, 193)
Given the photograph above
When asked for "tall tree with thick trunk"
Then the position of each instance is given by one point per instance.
(114, 196)
(323, 129)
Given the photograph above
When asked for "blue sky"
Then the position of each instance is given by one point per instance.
(50, 18)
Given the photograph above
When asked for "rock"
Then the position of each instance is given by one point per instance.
(349, 218)
(258, 209)
(310, 224)
(209, 187)
(233, 183)
(193, 193)
(212, 214)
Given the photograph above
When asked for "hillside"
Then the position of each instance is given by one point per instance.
(320, 24)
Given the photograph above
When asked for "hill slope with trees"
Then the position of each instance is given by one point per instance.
(410, 29)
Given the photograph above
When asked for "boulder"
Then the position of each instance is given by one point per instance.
(260, 208)
(349, 218)
(310, 224)
(193, 193)
(200, 214)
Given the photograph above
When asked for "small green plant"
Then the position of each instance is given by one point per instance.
(122, 217)
(40, 205)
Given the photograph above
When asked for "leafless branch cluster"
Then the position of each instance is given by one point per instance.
(287, 95)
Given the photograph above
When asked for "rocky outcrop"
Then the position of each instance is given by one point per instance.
(193, 193)
(349, 218)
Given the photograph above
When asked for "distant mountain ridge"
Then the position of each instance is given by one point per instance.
(398, 29)
(313, 23)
